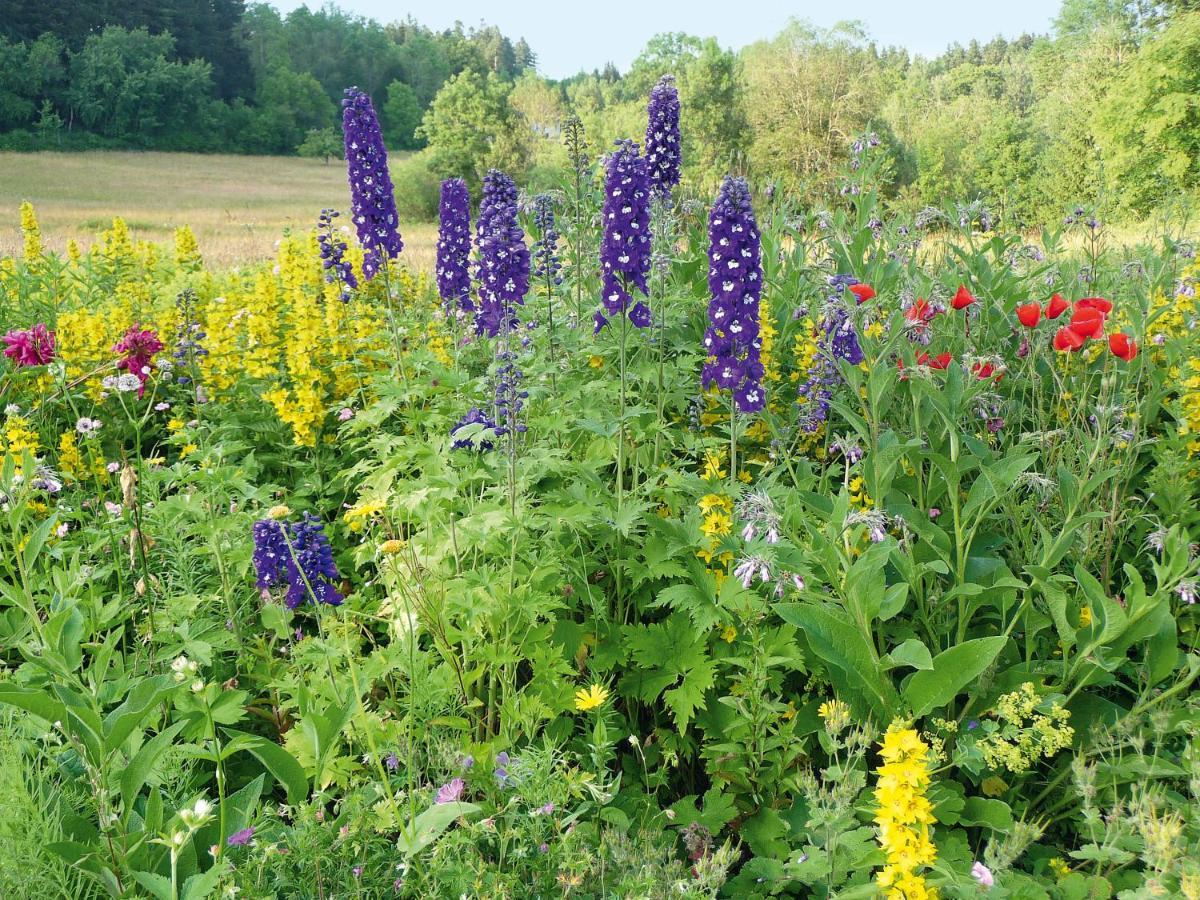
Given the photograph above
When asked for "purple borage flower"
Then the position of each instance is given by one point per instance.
(625, 248)
(502, 264)
(732, 341)
(306, 566)
(372, 198)
(662, 136)
(454, 246)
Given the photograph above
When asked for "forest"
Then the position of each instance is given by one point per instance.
(1104, 111)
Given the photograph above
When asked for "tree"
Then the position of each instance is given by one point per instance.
(713, 113)
(322, 143)
(471, 127)
(401, 116)
(289, 105)
(1149, 124)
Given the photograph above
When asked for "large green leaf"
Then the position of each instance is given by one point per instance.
(278, 761)
(952, 671)
(428, 826)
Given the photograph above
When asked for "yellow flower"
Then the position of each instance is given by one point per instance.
(1059, 867)
(835, 714)
(728, 633)
(709, 502)
(1085, 616)
(391, 547)
(31, 232)
(278, 512)
(591, 698)
(187, 450)
(596, 362)
(715, 524)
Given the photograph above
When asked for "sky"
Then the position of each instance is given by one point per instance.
(572, 36)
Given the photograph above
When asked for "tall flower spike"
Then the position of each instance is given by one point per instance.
(545, 249)
(372, 198)
(625, 248)
(732, 341)
(502, 266)
(662, 136)
(454, 246)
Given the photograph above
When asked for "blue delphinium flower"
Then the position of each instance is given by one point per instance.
(732, 341)
(372, 198)
(502, 264)
(271, 556)
(333, 254)
(298, 556)
(626, 245)
(545, 248)
(510, 399)
(454, 246)
(189, 337)
(474, 416)
(662, 136)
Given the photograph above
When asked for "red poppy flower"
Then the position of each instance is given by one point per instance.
(1029, 314)
(941, 361)
(1067, 340)
(1056, 307)
(1098, 303)
(862, 292)
(962, 299)
(1087, 322)
(920, 311)
(1122, 346)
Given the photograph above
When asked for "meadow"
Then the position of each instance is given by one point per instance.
(649, 542)
(237, 206)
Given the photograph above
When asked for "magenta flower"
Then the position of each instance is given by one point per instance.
(137, 349)
(451, 791)
(32, 347)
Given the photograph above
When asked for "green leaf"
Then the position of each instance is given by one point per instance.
(994, 814)
(139, 768)
(428, 826)
(952, 671)
(912, 653)
(142, 700)
(37, 702)
(279, 763)
(158, 885)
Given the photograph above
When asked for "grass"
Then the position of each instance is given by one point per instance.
(238, 206)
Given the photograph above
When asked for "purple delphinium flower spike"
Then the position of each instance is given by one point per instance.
(333, 254)
(545, 249)
(662, 136)
(372, 198)
(454, 246)
(625, 249)
(502, 264)
(836, 340)
(313, 560)
(298, 557)
(732, 341)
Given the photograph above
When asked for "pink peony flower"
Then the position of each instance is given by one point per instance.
(33, 347)
(137, 349)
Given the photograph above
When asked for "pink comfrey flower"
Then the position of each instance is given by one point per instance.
(32, 347)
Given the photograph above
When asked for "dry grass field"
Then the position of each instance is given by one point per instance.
(238, 206)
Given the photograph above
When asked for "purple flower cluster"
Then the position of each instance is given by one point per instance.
(509, 396)
(137, 348)
(502, 267)
(662, 136)
(333, 254)
(306, 566)
(625, 249)
(837, 340)
(475, 416)
(189, 336)
(545, 249)
(372, 198)
(454, 246)
(732, 341)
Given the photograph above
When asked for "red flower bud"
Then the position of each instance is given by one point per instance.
(1056, 307)
(1029, 314)
(862, 292)
(962, 299)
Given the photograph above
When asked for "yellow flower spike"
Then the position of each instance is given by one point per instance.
(591, 698)
(278, 512)
(391, 547)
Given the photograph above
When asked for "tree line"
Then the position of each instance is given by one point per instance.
(1104, 111)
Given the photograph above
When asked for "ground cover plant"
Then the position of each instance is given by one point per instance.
(654, 545)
